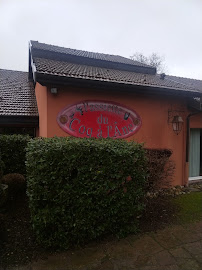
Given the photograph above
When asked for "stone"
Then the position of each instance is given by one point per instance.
(193, 189)
(198, 257)
(169, 267)
(184, 235)
(143, 260)
(190, 264)
(87, 257)
(194, 248)
(164, 258)
(107, 265)
(147, 245)
(194, 227)
(121, 249)
(166, 238)
(173, 248)
(180, 253)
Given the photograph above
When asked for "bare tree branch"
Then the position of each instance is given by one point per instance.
(153, 60)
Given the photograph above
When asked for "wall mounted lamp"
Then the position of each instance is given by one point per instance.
(54, 90)
(175, 120)
(177, 123)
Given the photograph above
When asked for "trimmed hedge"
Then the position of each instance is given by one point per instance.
(82, 189)
(1, 167)
(13, 152)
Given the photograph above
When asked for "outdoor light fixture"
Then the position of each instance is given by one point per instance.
(54, 90)
(177, 123)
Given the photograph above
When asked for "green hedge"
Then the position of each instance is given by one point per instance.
(1, 167)
(82, 189)
(13, 152)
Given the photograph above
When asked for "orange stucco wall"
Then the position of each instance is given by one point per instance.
(42, 104)
(196, 121)
(155, 131)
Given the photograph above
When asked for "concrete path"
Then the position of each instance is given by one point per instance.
(173, 248)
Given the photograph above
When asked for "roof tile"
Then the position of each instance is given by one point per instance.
(86, 54)
(63, 66)
(17, 95)
(72, 70)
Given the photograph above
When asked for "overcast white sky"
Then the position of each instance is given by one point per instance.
(171, 28)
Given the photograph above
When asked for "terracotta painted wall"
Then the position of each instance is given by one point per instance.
(42, 101)
(196, 121)
(155, 131)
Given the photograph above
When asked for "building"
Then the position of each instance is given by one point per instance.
(84, 94)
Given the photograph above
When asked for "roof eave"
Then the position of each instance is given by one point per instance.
(49, 79)
(19, 120)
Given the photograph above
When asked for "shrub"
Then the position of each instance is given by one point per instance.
(13, 151)
(82, 189)
(16, 185)
(160, 169)
(3, 194)
(2, 166)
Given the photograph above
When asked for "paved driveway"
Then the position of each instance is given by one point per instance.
(173, 248)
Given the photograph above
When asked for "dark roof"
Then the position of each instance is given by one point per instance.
(41, 50)
(17, 96)
(86, 54)
(60, 66)
(192, 83)
(71, 70)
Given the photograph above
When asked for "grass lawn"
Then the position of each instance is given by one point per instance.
(190, 207)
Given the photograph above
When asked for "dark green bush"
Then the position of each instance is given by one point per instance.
(160, 169)
(3, 194)
(13, 151)
(16, 185)
(82, 189)
(2, 166)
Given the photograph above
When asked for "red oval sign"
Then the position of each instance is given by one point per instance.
(99, 119)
